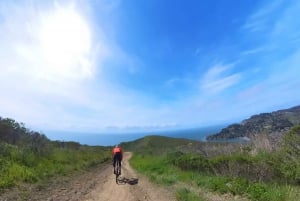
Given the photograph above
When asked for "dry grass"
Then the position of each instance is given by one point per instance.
(265, 142)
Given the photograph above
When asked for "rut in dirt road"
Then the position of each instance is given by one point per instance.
(132, 189)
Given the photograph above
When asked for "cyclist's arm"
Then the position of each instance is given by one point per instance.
(112, 153)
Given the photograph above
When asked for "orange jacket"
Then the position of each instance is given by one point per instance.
(117, 150)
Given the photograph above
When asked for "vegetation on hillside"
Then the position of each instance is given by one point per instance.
(29, 156)
(258, 174)
(153, 144)
(273, 124)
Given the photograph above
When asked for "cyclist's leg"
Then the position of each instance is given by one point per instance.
(120, 164)
(119, 161)
(119, 167)
(114, 163)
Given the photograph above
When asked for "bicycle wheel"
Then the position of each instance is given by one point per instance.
(118, 171)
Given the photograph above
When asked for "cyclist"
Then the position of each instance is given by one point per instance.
(117, 155)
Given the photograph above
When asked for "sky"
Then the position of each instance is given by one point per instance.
(118, 66)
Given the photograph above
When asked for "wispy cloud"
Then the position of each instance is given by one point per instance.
(273, 27)
(253, 51)
(219, 78)
(259, 21)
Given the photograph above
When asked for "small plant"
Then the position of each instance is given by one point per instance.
(185, 194)
(237, 186)
(218, 184)
(263, 192)
(256, 191)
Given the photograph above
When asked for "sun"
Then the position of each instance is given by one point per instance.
(65, 40)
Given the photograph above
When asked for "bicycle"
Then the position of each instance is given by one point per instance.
(117, 170)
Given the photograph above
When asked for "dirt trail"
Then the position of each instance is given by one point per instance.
(137, 188)
(97, 184)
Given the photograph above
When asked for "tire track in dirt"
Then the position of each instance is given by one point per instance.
(140, 190)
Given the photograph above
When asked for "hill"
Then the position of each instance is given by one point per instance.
(156, 144)
(159, 145)
(273, 124)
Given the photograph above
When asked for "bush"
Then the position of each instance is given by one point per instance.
(237, 186)
(290, 155)
(185, 194)
(256, 191)
(262, 192)
(190, 161)
(218, 184)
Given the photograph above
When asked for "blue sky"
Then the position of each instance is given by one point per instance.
(114, 66)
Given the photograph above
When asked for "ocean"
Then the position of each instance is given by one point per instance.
(110, 139)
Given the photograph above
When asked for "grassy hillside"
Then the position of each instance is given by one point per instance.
(238, 169)
(155, 144)
(28, 156)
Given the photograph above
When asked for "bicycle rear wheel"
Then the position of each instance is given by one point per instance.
(118, 170)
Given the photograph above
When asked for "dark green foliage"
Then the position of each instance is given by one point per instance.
(290, 156)
(256, 191)
(27, 156)
(255, 168)
(185, 194)
(261, 167)
(262, 192)
(189, 161)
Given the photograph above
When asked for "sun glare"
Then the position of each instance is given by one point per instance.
(65, 41)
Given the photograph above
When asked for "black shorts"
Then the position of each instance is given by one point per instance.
(117, 157)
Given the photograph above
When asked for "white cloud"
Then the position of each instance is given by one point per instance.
(50, 58)
(218, 78)
(45, 45)
(278, 29)
(260, 19)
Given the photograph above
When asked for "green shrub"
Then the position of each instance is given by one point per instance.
(274, 194)
(190, 161)
(12, 172)
(261, 167)
(256, 191)
(237, 186)
(185, 194)
(29, 158)
(263, 192)
(290, 155)
(218, 184)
